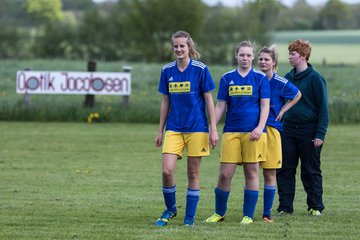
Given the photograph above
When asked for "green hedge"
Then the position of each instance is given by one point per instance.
(343, 87)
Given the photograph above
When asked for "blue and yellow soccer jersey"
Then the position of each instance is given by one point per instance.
(242, 95)
(186, 93)
(281, 90)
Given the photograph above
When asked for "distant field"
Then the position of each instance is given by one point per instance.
(330, 53)
(334, 47)
(320, 37)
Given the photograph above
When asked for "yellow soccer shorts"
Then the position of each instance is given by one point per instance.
(273, 152)
(197, 144)
(238, 148)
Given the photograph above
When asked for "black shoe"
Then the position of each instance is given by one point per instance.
(283, 214)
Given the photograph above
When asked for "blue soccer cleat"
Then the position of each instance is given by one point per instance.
(164, 219)
(189, 222)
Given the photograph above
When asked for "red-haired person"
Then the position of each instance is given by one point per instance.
(305, 126)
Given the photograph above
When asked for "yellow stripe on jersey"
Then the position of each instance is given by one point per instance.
(178, 87)
(238, 90)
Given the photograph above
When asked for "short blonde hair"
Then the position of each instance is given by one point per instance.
(246, 43)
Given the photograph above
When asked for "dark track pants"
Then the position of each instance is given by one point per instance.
(297, 143)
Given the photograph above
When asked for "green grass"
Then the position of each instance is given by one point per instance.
(343, 87)
(331, 54)
(103, 181)
(335, 47)
(341, 37)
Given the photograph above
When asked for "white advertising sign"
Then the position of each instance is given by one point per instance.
(95, 83)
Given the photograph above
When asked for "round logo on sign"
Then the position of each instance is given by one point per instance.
(98, 84)
(32, 83)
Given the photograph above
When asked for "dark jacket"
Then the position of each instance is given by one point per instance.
(312, 108)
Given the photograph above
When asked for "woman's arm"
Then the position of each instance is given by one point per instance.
(264, 113)
(289, 104)
(164, 110)
(213, 135)
(219, 110)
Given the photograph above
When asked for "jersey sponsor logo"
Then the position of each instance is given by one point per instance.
(171, 79)
(179, 87)
(231, 83)
(238, 90)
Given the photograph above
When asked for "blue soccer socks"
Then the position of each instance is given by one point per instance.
(269, 195)
(192, 199)
(250, 200)
(221, 200)
(170, 198)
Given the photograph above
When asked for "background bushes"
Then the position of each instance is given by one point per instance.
(343, 89)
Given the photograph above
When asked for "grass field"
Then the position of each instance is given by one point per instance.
(332, 54)
(330, 47)
(343, 84)
(340, 37)
(103, 181)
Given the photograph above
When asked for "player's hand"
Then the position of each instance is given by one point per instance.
(279, 117)
(158, 139)
(256, 134)
(317, 142)
(213, 138)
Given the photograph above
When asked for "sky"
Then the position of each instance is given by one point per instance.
(286, 2)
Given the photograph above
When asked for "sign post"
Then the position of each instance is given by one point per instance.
(90, 98)
(27, 96)
(126, 69)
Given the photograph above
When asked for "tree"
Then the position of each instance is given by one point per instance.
(303, 15)
(333, 16)
(258, 19)
(355, 9)
(10, 42)
(79, 5)
(149, 24)
(220, 34)
(44, 11)
(11, 13)
(59, 40)
(93, 34)
(224, 27)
